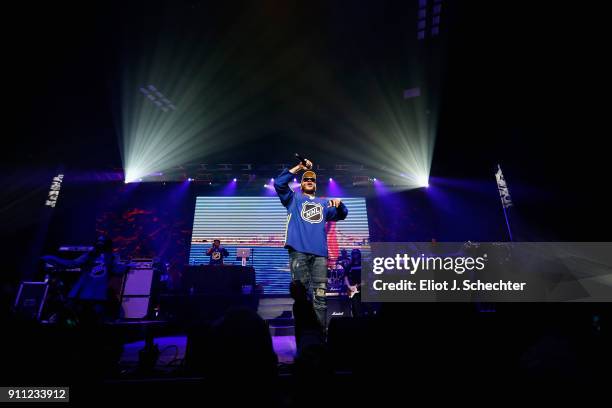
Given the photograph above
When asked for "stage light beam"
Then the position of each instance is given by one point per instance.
(423, 181)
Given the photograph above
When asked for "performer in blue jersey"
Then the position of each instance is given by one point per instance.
(217, 253)
(92, 297)
(305, 237)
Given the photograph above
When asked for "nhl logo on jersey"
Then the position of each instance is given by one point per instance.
(98, 271)
(312, 212)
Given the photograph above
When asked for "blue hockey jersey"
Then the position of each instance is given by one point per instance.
(306, 217)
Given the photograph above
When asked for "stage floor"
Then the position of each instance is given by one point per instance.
(172, 351)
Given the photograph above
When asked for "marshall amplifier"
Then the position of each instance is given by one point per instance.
(338, 305)
(138, 290)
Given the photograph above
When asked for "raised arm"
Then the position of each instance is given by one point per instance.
(281, 183)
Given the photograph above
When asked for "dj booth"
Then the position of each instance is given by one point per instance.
(218, 279)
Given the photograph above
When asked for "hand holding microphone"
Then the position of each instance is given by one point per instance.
(305, 164)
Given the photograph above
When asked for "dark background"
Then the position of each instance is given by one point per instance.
(515, 83)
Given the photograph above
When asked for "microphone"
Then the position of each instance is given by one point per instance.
(301, 159)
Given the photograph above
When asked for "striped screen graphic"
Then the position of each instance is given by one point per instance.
(259, 223)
